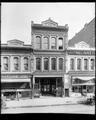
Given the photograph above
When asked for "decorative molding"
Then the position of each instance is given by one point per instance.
(81, 45)
(50, 23)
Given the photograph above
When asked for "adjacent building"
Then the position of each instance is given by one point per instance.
(81, 59)
(51, 63)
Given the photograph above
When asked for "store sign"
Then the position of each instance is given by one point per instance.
(74, 52)
(15, 76)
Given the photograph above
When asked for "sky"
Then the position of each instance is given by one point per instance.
(16, 17)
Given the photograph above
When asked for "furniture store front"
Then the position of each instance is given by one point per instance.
(49, 86)
(80, 84)
(16, 88)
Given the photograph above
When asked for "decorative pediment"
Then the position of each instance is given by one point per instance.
(15, 42)
(81, 45)
(50, 23)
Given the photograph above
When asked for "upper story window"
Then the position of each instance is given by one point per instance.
(38, 63)
(5, 63)
(46, 63)
(78, 64)
(72, 64)
(60, 43)
(53, 43)
(53, 63)
(85, 64)
(45, 43)
(38, 42)
(60, 63)
(25, 63)
(92, 64)
(16, 63)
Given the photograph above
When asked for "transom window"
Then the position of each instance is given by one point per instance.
(38, 63)
(16, 63)
(85, 64)
(53, 63)
(25, 63)
(46, 63)
(38, 42)
(92, 64)
(60, 63)
(5, 63)
(60, 43)
(53, 43)
(78, 64)
(72, 64)
(45, 43)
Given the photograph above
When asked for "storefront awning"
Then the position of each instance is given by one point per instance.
(84, 78)
(83, 84)
(14, 80)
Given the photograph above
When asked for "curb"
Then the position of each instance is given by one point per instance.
(41, 105)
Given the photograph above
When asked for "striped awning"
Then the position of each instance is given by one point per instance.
(84, 78)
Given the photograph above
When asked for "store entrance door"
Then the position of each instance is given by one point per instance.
(48, 86)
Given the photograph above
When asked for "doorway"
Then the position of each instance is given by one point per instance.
(48, 85)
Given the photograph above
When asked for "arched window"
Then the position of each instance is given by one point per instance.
(60, 63)
(25, 63)
(78, 64)
(38, 42)
(85, 64)
(16, 63)
(38, 63)
(53, 43)
(71, 64)
(92, 64)
(5, 63)
(53, 63)
(60, 43)
(46, 63)
(45, 43)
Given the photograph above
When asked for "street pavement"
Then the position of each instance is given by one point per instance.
(42, 101)
(73, 109)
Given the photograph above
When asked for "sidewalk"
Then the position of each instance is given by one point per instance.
(42, 101)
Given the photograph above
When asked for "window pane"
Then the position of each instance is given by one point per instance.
(16, 63)
(78, 64)
(46, 64)
(60, 63)
(53, 63)
(72, 64)
(38, 42)
(60, 43)
(45, 43)
(5, 60)
(53, 43)
(85, 64)
(25, 63)
(38, 63)
(92, 64)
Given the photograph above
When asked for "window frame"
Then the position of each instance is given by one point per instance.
(61, 64)
(92, 64)
(17, 63)
(45, 43)
(86, 64)
(24, 64)
(54, 43)
(72, 64)
(40, 42)
(45, 63)
(39, 65)
(54, 64)
(60, 38)
(6, 70)
(79, 63)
